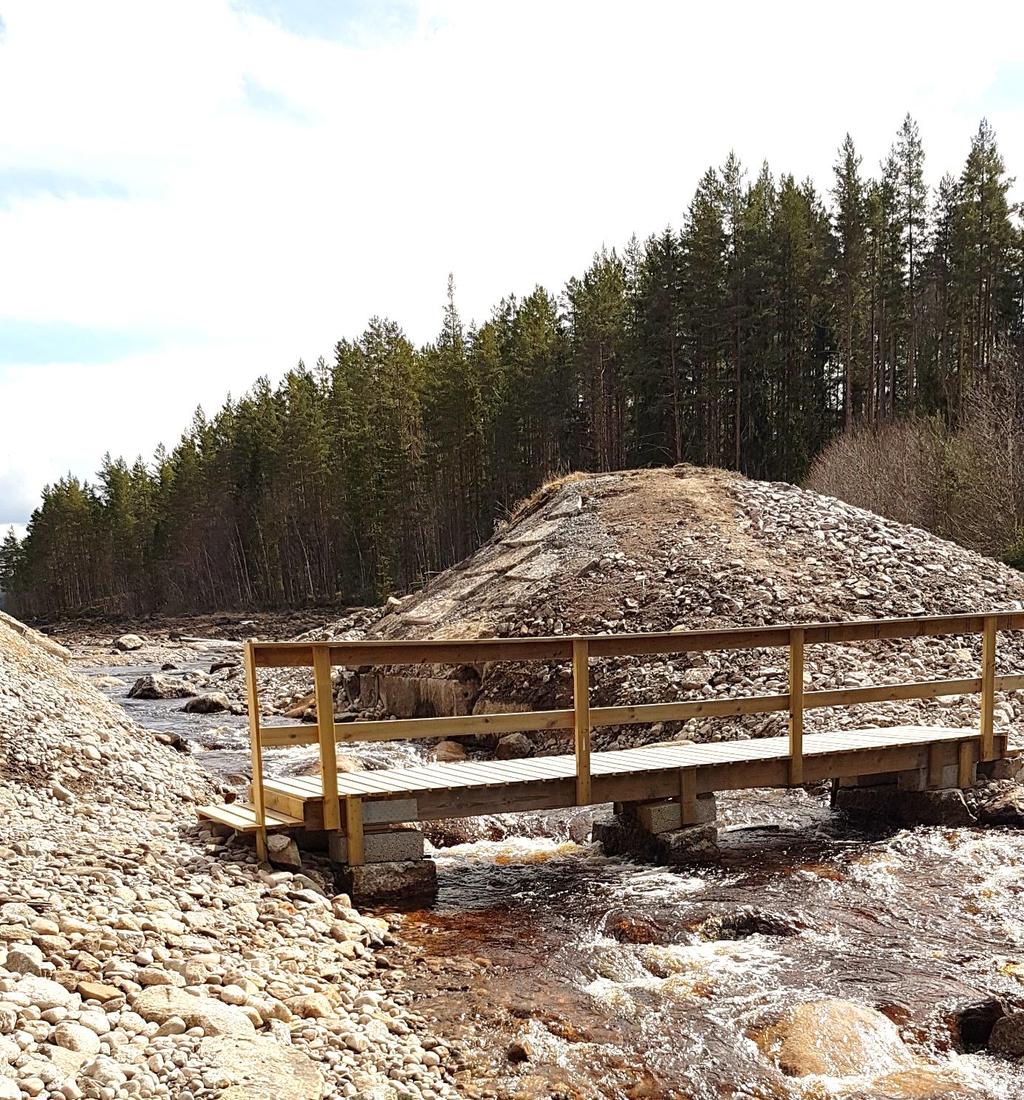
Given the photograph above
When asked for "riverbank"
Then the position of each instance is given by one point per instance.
(142, 956)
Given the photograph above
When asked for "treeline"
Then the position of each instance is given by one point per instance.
(774, 318)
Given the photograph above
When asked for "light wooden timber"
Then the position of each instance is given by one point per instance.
(354, 828)
(255, 746)
(581, 717)
(323, 689)
(796, 707)
(336, 801)
(417, 651)
(243, 818)
(988, 690)
(684, 771)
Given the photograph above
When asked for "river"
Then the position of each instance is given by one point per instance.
(571, 974)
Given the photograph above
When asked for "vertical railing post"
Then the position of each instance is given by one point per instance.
(988, 689)
(256, 748)
(324, 693)
(796, 707)
(581, 717)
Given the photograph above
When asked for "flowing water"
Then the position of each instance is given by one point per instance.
(570, 974)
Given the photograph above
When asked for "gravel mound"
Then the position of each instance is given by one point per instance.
(142, 956)
(688, 548)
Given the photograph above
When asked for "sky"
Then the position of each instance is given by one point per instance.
(195, 193)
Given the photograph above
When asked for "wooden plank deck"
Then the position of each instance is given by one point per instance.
(470, 788)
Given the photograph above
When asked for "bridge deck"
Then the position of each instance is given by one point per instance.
(548, 782)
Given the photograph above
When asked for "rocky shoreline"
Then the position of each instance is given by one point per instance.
(141, 955)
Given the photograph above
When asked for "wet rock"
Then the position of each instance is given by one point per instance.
(886, 804)
(922, 1083)
(128, 643)
(408, 883)
(1007, 1036)
(744, 923)
(513, 746)
(1001, 804)
(621, 837)
(972, 1026)
(209, 702)
(449, 752)
(836, 1038)
(157, 685)
(519, 1051)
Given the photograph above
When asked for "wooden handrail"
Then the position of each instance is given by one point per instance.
(582, 718)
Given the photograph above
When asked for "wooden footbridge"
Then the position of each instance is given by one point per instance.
(349, 805)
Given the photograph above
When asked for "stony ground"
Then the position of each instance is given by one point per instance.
(693, 549)
(143, 956)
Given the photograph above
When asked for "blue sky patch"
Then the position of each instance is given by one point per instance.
(352, 22)
(26, 183)
(35, 342)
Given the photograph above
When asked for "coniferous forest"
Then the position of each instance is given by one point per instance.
(777, 318)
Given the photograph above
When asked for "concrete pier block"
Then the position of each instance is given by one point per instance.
(380, 845)
(625, 836)
(663, 816)
(410, 883)
(889, 805)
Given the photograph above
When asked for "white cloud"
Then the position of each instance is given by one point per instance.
(504, 142)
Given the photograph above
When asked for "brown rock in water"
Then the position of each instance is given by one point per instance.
(918, 1084)
(449, 752)
(1008, 1036)
(209, 703)
(1002, 805)
(836, 1038)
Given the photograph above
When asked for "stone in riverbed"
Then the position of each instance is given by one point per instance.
(208, 703)
(886, 804)
(159, 1003)
(45, 994)
(254, 1067)
(406, 883)
(72, 1036)
(514, 746)
(128, 643)
(1008, 1036)
(283, 851)
(836, 1038)
(98, 991)
(156, 685)
(619, 836)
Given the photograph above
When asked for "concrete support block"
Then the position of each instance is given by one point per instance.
(380, 845)
(624, 836)
(390, 811)
(412, 883)
(663, 816)
(875, 807)
(1009, 768)
(948, 775)
(883, 779)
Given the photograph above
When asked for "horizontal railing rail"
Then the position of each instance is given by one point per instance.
(582, 718)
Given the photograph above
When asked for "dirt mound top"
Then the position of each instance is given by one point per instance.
(688, 548)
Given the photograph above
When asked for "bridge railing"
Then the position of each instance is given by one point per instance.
(582, 718)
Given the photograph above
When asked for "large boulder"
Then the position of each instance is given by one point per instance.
(156, 685)
(254, 1067)
(158, 1003)
(1008, 1036)
(208, 703)
(837, 1038)
(128, 643)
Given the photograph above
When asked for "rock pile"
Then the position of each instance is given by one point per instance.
(143, 957)
(685, 548)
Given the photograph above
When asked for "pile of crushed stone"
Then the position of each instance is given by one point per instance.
(688, 548)
(143, 956)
